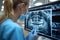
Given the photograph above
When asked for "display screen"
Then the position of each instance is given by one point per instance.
(40, 20)
(45, 19)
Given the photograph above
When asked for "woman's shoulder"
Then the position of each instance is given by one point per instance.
(10, 24)
(9, 27)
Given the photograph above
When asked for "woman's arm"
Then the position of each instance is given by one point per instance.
(13, 33)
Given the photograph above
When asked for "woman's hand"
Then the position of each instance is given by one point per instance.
(33, 35)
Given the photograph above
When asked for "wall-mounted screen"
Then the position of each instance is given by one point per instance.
(40, 20)
(45, 19)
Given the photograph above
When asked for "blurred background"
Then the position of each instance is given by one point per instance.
(33, 3)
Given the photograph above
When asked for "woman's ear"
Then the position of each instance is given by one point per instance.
(21, 7)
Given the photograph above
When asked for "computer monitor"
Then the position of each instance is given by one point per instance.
(44, 19)
(40, 20)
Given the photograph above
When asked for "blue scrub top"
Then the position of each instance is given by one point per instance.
(9, 30)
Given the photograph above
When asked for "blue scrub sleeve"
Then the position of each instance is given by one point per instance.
(18, 34)
(13, 33)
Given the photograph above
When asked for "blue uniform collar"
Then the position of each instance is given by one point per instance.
(7, 21)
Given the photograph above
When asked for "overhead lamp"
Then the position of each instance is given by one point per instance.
(2, 9)
(3, 1)
(34, 0)
(38, 3)
(53, 0)
(29, 6)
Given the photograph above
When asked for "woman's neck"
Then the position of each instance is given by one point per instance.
(16, 15)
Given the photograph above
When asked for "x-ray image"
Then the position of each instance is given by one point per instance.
(40, 20)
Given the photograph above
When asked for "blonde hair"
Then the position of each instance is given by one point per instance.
(9, 7)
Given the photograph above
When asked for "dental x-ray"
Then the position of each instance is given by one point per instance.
(40, 20)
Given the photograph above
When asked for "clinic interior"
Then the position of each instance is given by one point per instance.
(55, 19)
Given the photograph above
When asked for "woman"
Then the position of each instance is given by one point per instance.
(9, 29)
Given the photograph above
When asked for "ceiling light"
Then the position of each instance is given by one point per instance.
(2, 7)
(3, 1)
(29, 6)
(53, 0)
(34, 0)
(39, 3)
